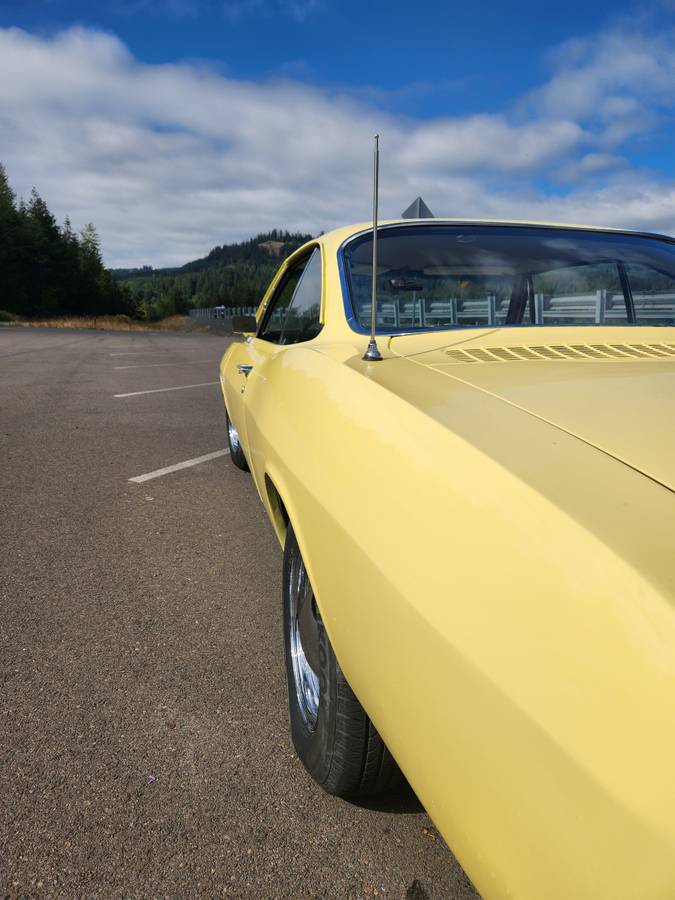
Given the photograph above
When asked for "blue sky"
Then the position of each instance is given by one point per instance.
(426, 59)
(178, 124)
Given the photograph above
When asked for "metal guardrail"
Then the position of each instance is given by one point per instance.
(596, 307)
(222, 312)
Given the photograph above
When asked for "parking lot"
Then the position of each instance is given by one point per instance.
(144, 748)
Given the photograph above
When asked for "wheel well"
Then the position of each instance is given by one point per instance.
(278, 508)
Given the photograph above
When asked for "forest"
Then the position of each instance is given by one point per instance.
(49, 270)
(230, 275)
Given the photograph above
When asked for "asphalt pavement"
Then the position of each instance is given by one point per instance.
(144, 748)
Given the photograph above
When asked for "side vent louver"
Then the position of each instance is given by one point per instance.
(564, 351)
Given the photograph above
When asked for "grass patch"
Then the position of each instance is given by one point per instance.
(111, 323)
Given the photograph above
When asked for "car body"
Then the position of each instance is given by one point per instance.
(487, 518)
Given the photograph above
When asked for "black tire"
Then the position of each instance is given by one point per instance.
(236, 453)
(338, 745)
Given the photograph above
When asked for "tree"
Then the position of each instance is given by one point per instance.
(91, 270)
(42, 258)
(47, 270)
(10, 277)
(90, 244)
(7, 196)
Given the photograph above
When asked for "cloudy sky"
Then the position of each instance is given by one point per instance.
(175, 125)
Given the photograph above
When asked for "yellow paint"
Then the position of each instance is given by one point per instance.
(493, 551)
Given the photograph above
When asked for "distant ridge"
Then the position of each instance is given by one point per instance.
(229, 275)
(275, 243)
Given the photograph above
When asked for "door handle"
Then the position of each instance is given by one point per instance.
(244, 370)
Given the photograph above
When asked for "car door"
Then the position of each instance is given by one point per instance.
(236, 364)
(239, 362)
(292, 316)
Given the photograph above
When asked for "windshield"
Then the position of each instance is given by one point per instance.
(450, 276)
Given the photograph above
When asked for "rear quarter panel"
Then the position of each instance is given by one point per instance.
(487, 601)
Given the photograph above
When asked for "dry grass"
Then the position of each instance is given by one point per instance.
(114, 323)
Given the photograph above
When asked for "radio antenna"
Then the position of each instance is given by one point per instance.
(372, 354)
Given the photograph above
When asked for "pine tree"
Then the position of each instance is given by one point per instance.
(68, 234)
(91, 270)
(47, 270)
(74, 299)
(7, 196)
(43, 258)
(10, 279)
(90, 244)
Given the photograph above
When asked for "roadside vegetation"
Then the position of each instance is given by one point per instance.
(112, 323)
(231, 275)
(52, 276)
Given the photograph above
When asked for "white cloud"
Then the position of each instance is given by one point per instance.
(169, 160)
(604, 76)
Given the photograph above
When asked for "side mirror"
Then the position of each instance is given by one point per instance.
(244, 325)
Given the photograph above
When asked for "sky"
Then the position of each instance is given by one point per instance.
(178, 125)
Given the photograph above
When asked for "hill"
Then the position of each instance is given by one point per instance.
(230, 275)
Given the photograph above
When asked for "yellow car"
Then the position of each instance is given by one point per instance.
(479, 536)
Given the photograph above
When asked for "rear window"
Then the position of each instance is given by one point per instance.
(442, 276)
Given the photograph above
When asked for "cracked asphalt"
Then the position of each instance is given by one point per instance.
(144, 748)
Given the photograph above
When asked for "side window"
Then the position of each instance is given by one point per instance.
(295, 308)
(274, 319)
(303, 317)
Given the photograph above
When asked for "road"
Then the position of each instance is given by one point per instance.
(144, 749)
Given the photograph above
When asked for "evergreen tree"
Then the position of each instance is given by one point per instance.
(47, 270)
(91, 270)
(76, 301)
(90, 244)
(10, 275)
(7, 196)
(43, 259)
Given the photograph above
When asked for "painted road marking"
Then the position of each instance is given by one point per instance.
(181, 465)
(202, 362)
(182, 387)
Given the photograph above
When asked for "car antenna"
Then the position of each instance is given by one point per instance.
(372, 353)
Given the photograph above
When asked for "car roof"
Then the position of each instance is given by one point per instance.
(338, 236)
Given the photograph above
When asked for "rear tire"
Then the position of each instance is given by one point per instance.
(332, 734)
(233, 442)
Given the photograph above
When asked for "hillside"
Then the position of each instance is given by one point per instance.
(230, 275)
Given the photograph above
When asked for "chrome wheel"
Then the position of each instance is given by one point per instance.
(332, 734)
(303, 623)
(236, 450)
(233, 435)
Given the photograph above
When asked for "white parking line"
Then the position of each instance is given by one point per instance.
(152, 350)
(181, 465)
(202, 362)
(182, 387)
